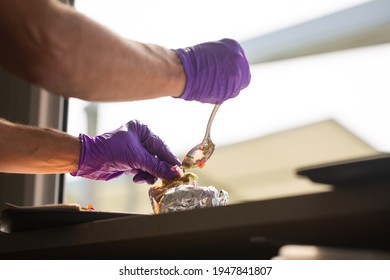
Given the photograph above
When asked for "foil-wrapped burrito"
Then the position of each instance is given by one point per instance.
(185, 194)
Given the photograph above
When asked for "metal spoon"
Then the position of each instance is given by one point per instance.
(199, 154)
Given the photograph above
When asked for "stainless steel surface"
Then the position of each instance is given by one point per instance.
(199, 154)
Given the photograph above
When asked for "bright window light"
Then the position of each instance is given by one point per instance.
(349, 86)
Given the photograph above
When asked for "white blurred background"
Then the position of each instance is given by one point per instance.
(342, 98)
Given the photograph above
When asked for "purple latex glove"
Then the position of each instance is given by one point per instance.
(215, 71)
(132, 148)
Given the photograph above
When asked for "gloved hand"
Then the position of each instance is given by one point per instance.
(132, 148)
(215, 71)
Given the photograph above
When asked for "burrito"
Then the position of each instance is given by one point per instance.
(185, 194)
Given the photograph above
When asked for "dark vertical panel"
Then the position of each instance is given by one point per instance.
(22, 102)
(15, 99)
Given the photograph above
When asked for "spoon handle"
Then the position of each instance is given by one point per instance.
(208, 128)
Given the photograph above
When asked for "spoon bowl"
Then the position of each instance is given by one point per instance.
(199, 154)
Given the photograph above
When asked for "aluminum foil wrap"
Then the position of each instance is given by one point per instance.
(184, 194)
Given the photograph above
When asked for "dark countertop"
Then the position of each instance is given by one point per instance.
(349, 217)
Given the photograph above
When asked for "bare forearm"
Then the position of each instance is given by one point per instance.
(26, 149)
(74, 56)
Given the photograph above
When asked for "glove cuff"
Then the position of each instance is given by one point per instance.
(187, 59)
(82, 155)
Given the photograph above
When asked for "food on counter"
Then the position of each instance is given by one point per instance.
(88, 208)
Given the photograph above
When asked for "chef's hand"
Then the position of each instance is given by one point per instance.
(132, 148)
(215, 71)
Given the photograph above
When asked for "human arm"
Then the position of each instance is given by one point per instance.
(130, 149)
(52, 45)
(33, 150)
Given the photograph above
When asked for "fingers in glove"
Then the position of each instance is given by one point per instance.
(144, 177)
(154, 145)
(158, 168)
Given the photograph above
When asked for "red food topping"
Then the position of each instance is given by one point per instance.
(90, 207)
